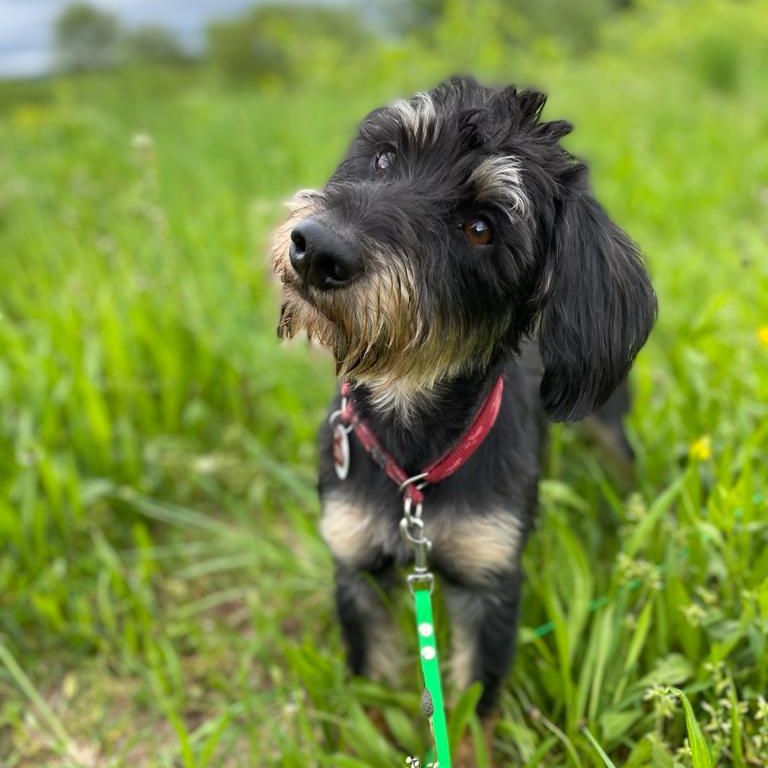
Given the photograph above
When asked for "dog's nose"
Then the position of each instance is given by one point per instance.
(322, 258)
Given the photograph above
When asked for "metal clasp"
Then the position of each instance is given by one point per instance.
(412, 529)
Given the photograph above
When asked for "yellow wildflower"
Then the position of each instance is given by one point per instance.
(762, 335)
(701, 449)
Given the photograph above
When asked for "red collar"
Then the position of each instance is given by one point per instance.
(438, 470)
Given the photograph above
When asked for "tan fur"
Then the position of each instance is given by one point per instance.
(465, 618)
(462, 655)
(350, 530)
(500, 179)
(478, 546)
(402, 397)
(418, 117)
(373, 327)
(385, 659)
(297, 314)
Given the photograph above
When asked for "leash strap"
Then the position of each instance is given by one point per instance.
(421, 581)
(432, 701)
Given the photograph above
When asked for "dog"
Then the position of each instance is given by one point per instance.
(456, 244)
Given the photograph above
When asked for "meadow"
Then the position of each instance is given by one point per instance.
(165, 598)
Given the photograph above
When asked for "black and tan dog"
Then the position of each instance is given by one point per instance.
(456, 241)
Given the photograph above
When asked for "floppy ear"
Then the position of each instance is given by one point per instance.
(598, 309)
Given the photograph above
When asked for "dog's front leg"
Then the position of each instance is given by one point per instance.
(484, 630)
(366, 622)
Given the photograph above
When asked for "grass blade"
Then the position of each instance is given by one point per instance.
(36, 700)
(699, 749)
(600, 751)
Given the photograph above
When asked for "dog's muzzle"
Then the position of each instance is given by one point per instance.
(321, 257)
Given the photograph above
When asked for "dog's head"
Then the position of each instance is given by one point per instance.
(456, 226)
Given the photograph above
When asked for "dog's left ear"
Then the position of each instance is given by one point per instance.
(598, 308)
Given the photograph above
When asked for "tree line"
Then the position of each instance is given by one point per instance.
(275, 42)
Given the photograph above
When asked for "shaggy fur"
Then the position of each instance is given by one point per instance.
(422, 318)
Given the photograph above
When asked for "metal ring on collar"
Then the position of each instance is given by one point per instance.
(337, 414)
(411, 481)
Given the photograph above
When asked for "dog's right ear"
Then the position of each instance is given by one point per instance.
(598, 308)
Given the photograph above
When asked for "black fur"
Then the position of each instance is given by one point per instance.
(598, 309)
(559, 301)
(503, 473)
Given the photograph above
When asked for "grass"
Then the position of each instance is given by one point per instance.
(165, 599)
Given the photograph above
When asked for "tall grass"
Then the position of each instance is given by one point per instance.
(164, 596)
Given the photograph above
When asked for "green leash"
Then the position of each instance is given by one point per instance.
(421, 582)
(432, 700)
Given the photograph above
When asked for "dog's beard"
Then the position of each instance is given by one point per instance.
(297, 312)
(369, 327)
(378, 330)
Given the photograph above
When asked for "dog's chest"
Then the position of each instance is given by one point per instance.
(475, 543)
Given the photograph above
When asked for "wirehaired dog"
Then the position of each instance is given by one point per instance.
(456, 242)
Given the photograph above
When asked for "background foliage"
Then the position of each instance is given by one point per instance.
(164, 596)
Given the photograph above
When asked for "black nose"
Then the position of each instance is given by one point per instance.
(322, 258)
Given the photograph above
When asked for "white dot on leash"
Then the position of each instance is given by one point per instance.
(428, 652)
(425, 629)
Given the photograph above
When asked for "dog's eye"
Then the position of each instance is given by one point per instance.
(383, 161)
(478, 231)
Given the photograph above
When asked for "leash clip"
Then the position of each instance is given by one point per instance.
(412, 530)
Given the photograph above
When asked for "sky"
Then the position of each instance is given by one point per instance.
(26, 25)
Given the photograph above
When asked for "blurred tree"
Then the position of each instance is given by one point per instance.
(86, 38)
(278, 43)
(413, 16)
(155, 45)
(578, 24)
(240, 49)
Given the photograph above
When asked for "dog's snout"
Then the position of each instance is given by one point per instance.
(321, 257)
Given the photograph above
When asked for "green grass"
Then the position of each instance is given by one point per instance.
(165, 599)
